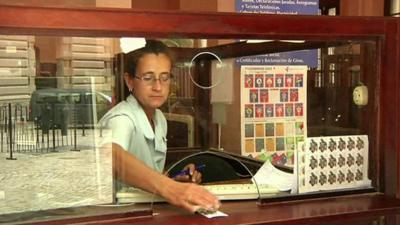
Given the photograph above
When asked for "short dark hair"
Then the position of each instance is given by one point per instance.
(152, 47)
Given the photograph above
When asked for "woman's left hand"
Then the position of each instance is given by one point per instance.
(192, 175)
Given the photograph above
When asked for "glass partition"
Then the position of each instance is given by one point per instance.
(298, 116)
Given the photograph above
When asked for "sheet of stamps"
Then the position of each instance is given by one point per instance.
(333, 163)
(273, 111)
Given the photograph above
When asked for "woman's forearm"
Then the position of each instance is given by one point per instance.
(134, 172)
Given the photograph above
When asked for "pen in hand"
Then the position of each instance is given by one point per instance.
(187, 171)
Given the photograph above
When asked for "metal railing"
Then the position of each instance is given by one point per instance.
(50, 133)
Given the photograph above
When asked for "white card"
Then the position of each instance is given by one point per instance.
(210, 213)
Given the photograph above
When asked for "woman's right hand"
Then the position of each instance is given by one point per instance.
(189, 196)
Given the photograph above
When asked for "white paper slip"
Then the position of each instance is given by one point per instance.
(211, 214)
(274, 177)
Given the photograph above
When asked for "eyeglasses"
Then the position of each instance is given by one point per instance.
(150, 78)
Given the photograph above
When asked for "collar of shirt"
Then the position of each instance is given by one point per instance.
(143, 121)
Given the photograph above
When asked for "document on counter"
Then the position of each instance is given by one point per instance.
(211, 213)
(274, 177)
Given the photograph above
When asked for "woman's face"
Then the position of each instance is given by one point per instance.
(151, 94)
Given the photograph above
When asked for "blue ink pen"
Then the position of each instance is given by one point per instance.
(186, 172)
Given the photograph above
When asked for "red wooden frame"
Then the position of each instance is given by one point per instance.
(119, 22)
(123, 22)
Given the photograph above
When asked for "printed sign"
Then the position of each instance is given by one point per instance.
(273, 113)
(294, 7)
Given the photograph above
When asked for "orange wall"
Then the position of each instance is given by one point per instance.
(199, 5)
(362, 7)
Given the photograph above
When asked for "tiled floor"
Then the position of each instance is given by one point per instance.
(56, 179)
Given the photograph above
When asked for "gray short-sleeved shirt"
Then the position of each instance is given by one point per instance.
(131, 130)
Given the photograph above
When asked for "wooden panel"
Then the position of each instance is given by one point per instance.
(388, 125)
(156, 4)
(347, 210)
(104, 22)
(396, 70)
